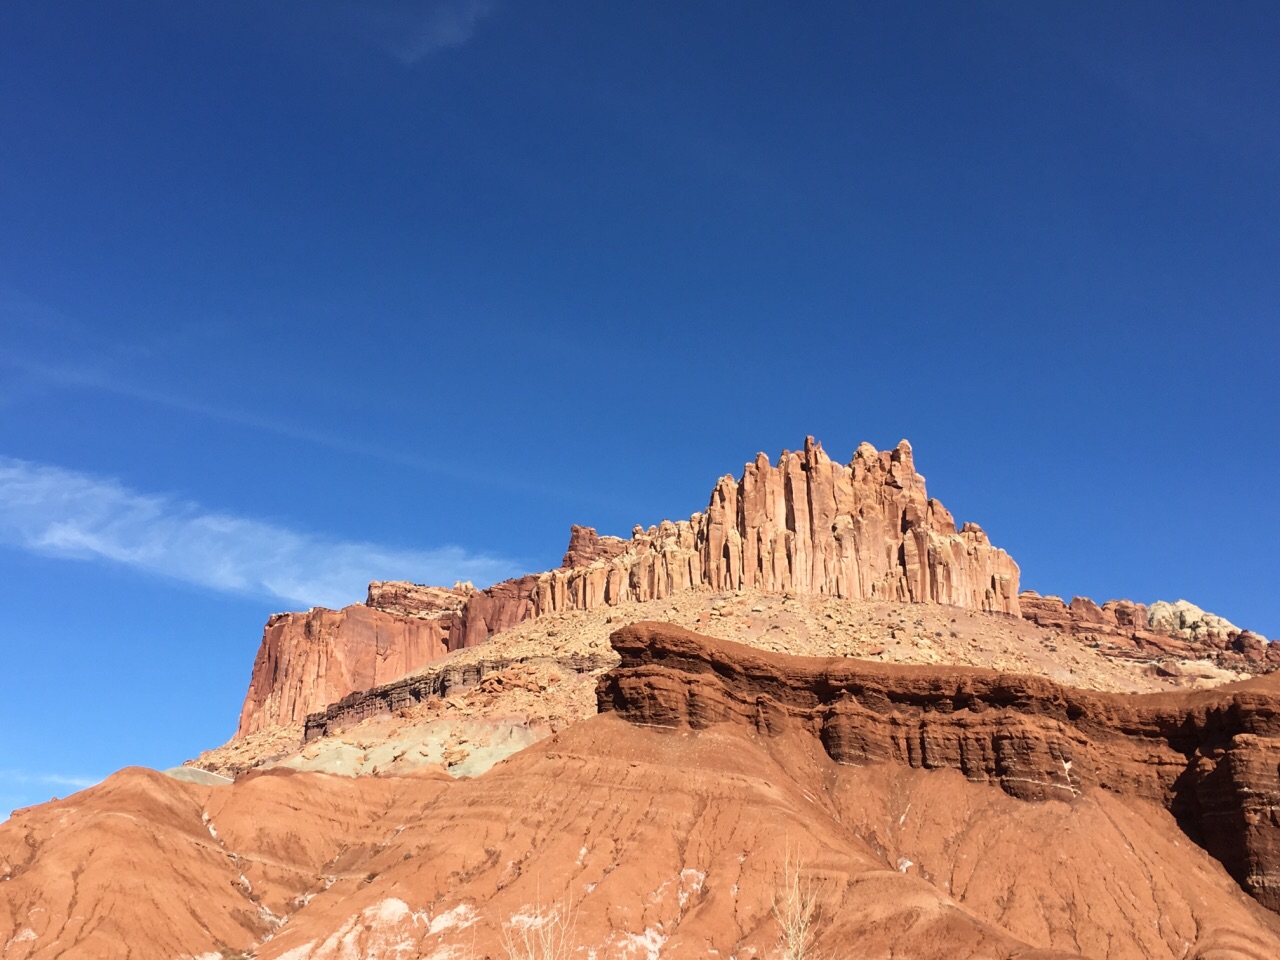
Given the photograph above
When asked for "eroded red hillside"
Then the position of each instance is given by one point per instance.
(936, 814)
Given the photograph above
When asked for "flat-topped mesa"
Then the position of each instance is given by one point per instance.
(809, 525)
(312, 658)
(309, 660)
(866, 530)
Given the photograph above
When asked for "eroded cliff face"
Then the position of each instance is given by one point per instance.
(309, 660)
(1209, 757)
(865, 530)
(1180, 630)
(935, 813)
(322, 655)
(809, 525)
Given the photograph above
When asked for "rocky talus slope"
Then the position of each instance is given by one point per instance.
(1162, 630)
(564, 644)
(934, 813)
(809, 525)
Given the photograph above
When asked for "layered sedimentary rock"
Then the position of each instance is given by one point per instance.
(1164, 629)
(866, 530)
(586, 547)
(308, 660)
(675, 836)
(417, 600)
(809, 525)
(1210, 757)
(436, 681)
(322, 655)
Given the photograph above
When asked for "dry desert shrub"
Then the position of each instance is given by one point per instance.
(546, 933)
(795, 907)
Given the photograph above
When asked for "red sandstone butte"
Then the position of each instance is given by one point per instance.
(309, 660)
(862, 530)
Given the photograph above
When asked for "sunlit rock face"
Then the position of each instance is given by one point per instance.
(806, 524)
(1209, 756)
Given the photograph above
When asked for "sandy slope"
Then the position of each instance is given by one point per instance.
(666, 843)
(806, 626)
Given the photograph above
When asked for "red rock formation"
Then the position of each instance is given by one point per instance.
(415, 600)
(863, 531)
(309, 660)
(498, 608)
(320, 656)
(1210, 757)
(1130, 630)
(891, 789)
(809, 525)
(586, 546)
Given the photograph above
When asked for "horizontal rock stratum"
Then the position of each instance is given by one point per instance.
(807, 524)
(935, 813)
(1209, 757)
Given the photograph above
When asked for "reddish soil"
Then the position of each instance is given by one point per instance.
(662, 827)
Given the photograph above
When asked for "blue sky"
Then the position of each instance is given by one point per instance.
(299, 294)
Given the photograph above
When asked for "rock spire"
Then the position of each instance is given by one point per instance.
(807, 524)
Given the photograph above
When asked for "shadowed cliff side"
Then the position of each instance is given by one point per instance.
(1210, 757)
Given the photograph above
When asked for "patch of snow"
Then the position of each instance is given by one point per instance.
(461, 917)
(304, 952)
(532, 918)
(388, 911)
(904, 865)
(648, 944)
(661, 892)
(383, 931)
(691, 883)
(25, 935)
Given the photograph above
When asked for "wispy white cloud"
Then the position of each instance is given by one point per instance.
(412, 30)
(472, 469)
(58, 512)
(444, 25)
